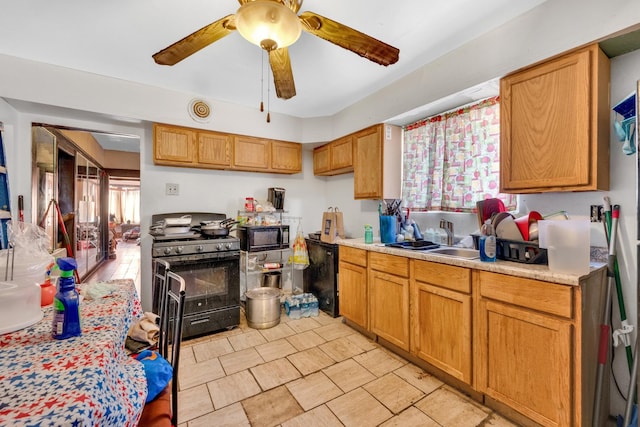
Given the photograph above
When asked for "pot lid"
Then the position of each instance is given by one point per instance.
(263, 293)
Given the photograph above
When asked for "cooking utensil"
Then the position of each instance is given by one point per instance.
(216, 228)
(271, 279)
(175, 230)
(218, 223)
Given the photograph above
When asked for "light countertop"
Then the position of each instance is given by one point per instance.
(530, 271)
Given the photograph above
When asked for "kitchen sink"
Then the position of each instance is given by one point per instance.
(456, 252)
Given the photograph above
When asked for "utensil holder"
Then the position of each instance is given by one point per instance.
(388, 228)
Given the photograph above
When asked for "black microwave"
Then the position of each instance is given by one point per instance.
(254, 238)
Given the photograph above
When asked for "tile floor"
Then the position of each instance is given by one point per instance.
(309, 372)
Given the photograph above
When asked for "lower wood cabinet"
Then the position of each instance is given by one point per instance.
(441, 308)
(530, 347)
(389, 298)
(536, 347)
(352, 285)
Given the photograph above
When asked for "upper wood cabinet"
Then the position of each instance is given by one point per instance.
(334, 158)
(377, 162)
(186, 147)
(214, 149)
(341, 155)
(554, 125)
(174, 145)
(251, 153)
(286, 157)
(321, 162)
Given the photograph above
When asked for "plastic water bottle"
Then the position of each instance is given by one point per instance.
(313, 306)
(368, 234)
(66, 303)
(292, 307)
(304, 306)
(487, 243)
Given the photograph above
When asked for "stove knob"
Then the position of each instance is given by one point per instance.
(228, 245)
(199, 248)
(179, 249)
(167, 251)
(219, 246)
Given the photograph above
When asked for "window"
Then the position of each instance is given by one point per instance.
(452, 160)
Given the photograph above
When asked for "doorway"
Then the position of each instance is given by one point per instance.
(70, 168)
(124, 210)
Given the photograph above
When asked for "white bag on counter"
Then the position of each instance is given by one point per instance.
(30, 259)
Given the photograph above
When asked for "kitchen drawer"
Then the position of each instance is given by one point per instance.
(391, 264)
(445, 276)
(533, 294)
(353, 255)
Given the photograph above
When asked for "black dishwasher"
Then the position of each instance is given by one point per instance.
(321, 276)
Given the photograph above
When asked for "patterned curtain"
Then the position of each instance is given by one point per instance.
(452, 160)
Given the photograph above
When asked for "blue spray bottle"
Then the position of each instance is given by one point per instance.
(66, 303)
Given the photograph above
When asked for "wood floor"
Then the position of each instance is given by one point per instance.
(126, 264)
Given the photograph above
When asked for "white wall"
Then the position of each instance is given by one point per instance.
(224, 192)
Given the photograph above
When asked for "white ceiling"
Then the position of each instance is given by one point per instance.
(117, 38)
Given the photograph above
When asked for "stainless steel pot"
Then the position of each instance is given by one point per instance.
(263, 307)
(271, 279)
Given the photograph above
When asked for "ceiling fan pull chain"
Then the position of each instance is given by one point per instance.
(261, 80)
(269, 97)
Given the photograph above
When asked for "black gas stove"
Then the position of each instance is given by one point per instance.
(210, 267)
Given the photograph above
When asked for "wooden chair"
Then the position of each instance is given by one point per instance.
(163, 410)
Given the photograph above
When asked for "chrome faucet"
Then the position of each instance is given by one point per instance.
(448, 227)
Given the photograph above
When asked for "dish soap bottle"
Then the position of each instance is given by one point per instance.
(66, 303)
(487, 242)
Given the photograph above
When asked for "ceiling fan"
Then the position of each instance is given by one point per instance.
(274, 25)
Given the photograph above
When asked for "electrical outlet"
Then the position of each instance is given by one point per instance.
(595, 213)
(172, 189)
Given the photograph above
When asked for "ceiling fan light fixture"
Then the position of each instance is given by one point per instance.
(268, 24)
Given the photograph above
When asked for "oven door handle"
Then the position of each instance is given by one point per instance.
(197, 321)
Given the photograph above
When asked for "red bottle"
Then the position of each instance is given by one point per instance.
(47, 292)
